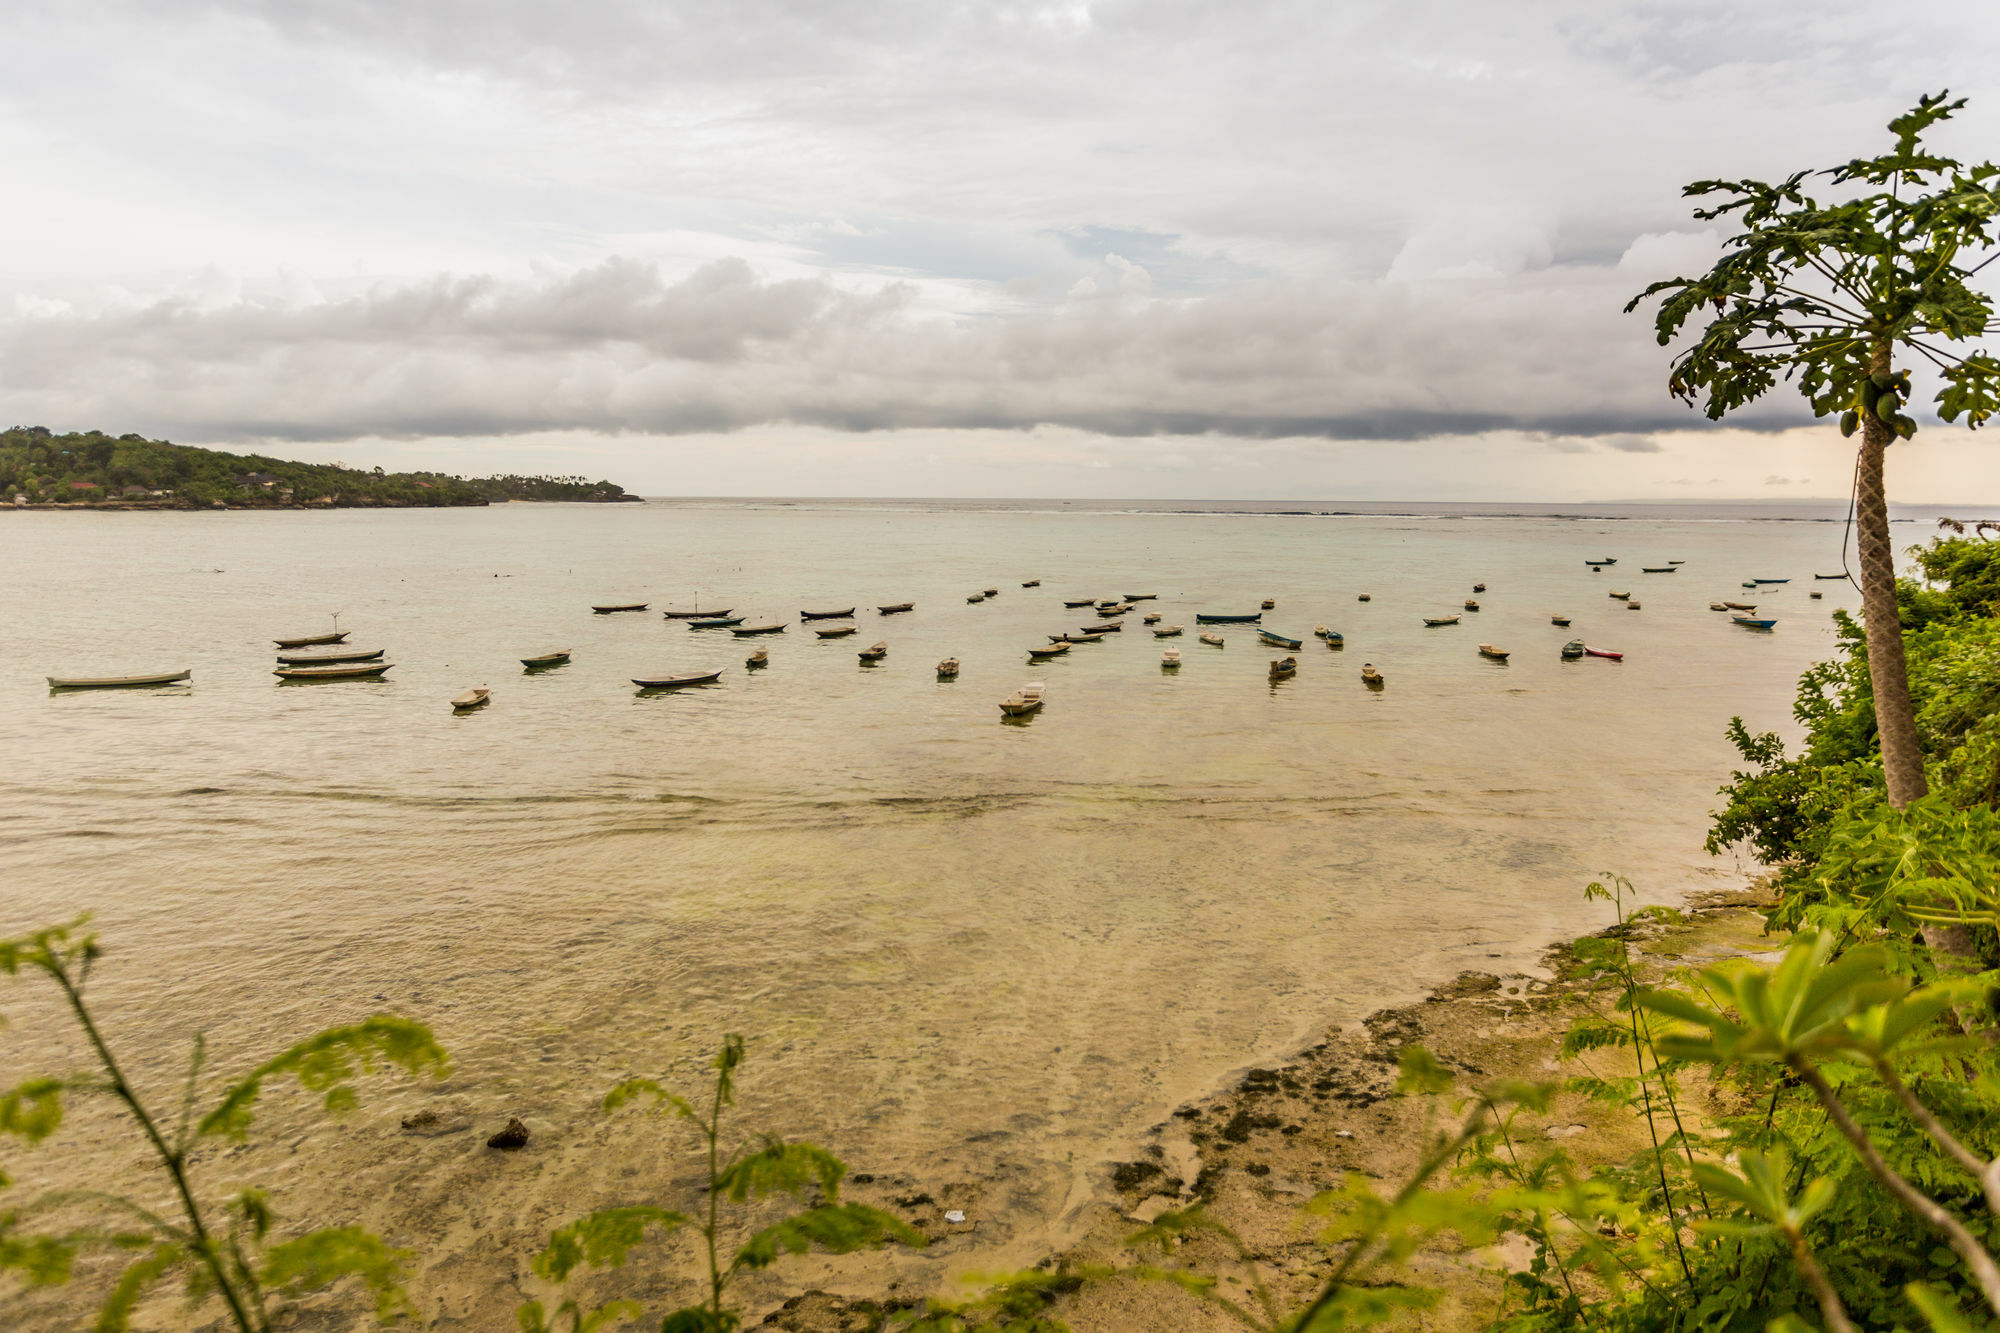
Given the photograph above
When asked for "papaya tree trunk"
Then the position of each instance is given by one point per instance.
(1952, 947)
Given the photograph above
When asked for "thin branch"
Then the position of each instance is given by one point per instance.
(1982, 1171)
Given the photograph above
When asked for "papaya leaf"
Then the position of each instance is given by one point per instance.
(781, 1167)
(840, 1228)
(602, 1239)
(42, 1261)
(1938, 1309)
(32, 1110)
(1420, 1071)
(328, 1064)
(634, 1088)
(115, 1316)
(320, 1258)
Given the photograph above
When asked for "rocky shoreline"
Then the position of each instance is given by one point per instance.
(1255, 1154)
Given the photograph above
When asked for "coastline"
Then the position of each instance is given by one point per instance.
(1257, 1152)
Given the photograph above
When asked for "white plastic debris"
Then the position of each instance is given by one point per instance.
(954, 1216)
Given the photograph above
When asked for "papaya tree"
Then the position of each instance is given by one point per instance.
(1844, 298)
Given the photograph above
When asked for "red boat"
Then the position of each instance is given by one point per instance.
(1588, 651)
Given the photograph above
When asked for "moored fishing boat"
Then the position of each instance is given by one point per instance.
(557, 657)
(1572, 650)
(1471, 605)
(1434, 621)
(1559, 620)
(769, 627)
(896, 608)
(1150, 618)
(1211, 638)
(1082, 636)
(349, 671)
(1497, 654)
(1283, 667)
(1606, 653)
(1739, 606)
(1141, 596)
(1658, 569)
(875, 652)
(826, 615)
(947, 668)
(1479, 587)
(1108, 627)
(1770, 580)
(1031, 583)
(1620, 596)
(1024, 700)
(976, 597)
(476, 697)
(1631, 606)
(676, 682)
(1369, 675)
(991, 592)
(1608, 560)
(329, 659)
(1115, 609)
(1362, 598)
(612, 608)
(118, 682)
(719, 622)
(1217, 618)
(835, 631)
(1277, 640)
(1053, 650)
(1087, 601)
(1815, 595)
(313, 640)
(1752, 622)
(682, 613)
(1167, 631)
(1718, 606)
(1268, 603)
(1829, 576)
(1170, 658)
(760, 658)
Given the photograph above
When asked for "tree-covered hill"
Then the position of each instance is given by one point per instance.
(40, 467)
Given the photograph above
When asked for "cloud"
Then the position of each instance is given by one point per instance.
(1627, 443)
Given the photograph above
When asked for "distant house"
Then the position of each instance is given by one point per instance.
(83, 485)
(250, 479)
(131, 491)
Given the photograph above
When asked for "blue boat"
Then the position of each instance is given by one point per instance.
(1751, 622)
(1770, 580)
(1278, 640)
(1209, 618)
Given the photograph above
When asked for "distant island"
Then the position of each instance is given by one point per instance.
(40, 469)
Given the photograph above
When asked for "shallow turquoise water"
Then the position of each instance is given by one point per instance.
(962, 949)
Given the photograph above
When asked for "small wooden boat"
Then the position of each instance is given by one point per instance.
(1108, 627)
(1815, 595)
(328, 659)
(1752, 622)
(1748, 583)
(1211, 638)
(617, 607)
(1829, 576)
(1677, 562)
(1053, 650)
(1217, 618)
(1718, 606)
(1605, 653)
(1089, 636)
(991, 592)
(760, 658)
(1167, 631)
(350, 671)
(1151, 618)
(896, 608)
(1267, 603)
(1608, 560)
(826, 615)
(1559, 620)
(1320, 631)
(1142, 596)
(1278, 640)
(1088, 601)
(769, 627)
(1363, 598)
(560, 657)
(476, 697)
(977, 597)
(1335, 639)
(676, 682)
(835, 631)
(1471, 605)
(1631, 606)
(875, 652)
(1370, 676)
(947, 668)
(1434, 621)
(1658, 569)
(1031, 583)
(1739, 606)
(1170, 658)
(1283, 667)
(1770, 580)
(1023, 701)
(719, 622)
(1497, 654)
(313, 640)
(1620, 596)
(1572, 650)
(1479, 587)
(1115, 609)
(675, 613)
(118, 682)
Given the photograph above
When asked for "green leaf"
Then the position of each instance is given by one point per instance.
(1420, 1071)
(1938, 1309)
(699, 1319)
(601, 1239)
(32, 1110)
(841, 1228)
(115, 1315)
(318, 1259)
(328, 1063)
(632, 1089)
(780, 1167)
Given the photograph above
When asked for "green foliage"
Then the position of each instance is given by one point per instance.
(90, 467)
(222, 1254)
(744, 1177)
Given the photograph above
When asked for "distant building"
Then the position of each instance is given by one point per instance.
(137, 491)
(250, 479)
(83, 485)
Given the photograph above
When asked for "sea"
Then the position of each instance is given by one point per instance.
(974, 956)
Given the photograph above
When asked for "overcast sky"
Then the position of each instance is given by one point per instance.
(1311, 250)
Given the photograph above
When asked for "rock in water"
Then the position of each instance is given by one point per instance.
(514, 1136)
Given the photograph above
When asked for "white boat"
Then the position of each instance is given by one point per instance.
(117, 682)
(472, 698)
(1211, 638)
(1024, 700)
(1166, 631)
(1170, 658)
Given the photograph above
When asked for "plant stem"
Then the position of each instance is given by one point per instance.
(714, 1267)
(1830, 1308)
(204, 1244)
(1977, 1261)
(1986, 1173)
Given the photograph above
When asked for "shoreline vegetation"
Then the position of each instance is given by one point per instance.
(89, 470)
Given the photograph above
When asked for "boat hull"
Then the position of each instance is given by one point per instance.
(118, 682)
(1211, 618)
(897, 609)
(331, 659)
(676, 682)
(826, 615)
(727, 622)
(1279, 640)
(312, 640)
(359, 671)
(546, 660)
(623, 606)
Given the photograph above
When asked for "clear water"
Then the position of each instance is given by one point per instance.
(965, 952)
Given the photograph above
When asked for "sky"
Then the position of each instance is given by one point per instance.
(912, 247)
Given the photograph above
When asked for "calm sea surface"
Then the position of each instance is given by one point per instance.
(967, 954)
